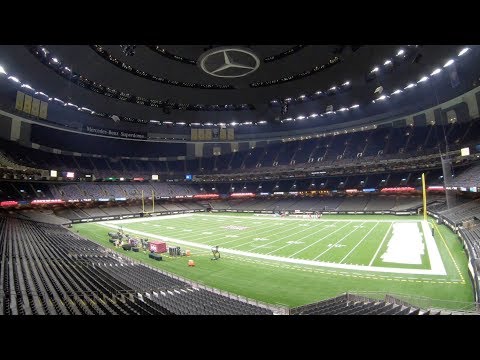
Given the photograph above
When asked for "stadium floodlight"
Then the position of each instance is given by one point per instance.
(288, 119)
(346, 83)
(233, 123)
(87, 109)
(167, 122)
(343, 109)
(423, 79)
(221, 124)
(262, 122)
(436, 71)
(354, 106)
(302, 96)
(387, 62)
(301, 117)
(288, 99)
(409, 86)
(59, 100)
(398, 91)
(13, 78)
(70, 104)
(400, 52)
(375, 69)
(66, 68)
(2, 70)
(41, 93)
(463, 51)
(247, 123)
(180, 123)
(318, 92)
(448, 63)
(383, 97)
(313, 115)
(27, 86)
(55, 60)
(208, 124)
(195, 124)
(333, 88)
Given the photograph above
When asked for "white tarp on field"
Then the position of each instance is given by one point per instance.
(406, 245)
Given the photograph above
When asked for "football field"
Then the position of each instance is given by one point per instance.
(356, 252)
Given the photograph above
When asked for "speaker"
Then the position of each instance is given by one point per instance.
(127, 247)
(135, 249)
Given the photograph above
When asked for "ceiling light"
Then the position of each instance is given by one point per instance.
(387, 62)
(302, 96)
(66, 68)
(374, 69)
(247, 123)
(208, 124)
(233, 123)
(425, 78)
(400, 52)
(354, 106)
(195, 124)
(288, 99)
(398, 91)
(167, 122)
(180, 123)
(448, 63)
(383, 97)
(70, 104)
(436, 71)
(343, 109)
(313, 115)
(346, 83)
(410, 86)
(2, 70)
(262, 122)
(333, 88)
(13, 78)
(55, 60)
(58, 100)
(41, 93)
(463, 51)
(318, 92)
(301, 117)
(27, 86)
(288, 119)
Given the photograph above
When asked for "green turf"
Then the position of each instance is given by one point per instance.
(277, 282)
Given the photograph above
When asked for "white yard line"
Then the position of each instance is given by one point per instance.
(263, 231)
(359, 242)
(331, 247)
(303, 237)
(286, 237)
(380, 246)
(285, 259)
(323, 238)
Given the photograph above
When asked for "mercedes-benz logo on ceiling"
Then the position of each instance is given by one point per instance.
(229, 62)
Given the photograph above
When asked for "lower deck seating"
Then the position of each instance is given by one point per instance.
(47, 270)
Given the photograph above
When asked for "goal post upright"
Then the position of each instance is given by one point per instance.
(153, 201)
(424, 195)
(143, 204)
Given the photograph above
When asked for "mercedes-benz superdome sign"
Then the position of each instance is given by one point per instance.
(115, 133)
(229, 62)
